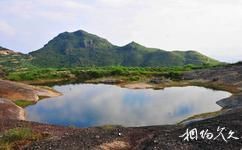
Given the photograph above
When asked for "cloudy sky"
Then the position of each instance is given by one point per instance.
(212, 27)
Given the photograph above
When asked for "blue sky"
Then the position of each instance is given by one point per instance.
(213, 27)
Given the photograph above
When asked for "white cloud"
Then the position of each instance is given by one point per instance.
(212, 27)
(118, 2)
(6, 29)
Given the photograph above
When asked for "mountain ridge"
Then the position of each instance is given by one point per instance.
(80, 48)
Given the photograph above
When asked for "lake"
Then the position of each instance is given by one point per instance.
(86, 105)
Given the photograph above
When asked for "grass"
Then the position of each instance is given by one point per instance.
(15, 137)
(23, 103)
(88, 73)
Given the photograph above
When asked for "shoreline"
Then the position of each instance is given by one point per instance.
(182, 83)
(147, 136)
(15, 94)
(144, 85)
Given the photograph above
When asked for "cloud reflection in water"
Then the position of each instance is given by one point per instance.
(85, 105)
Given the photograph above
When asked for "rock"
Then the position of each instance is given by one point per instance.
(19, 91)
(159, 80)
(6, 52)
(9, 110)
(234, 101)
(155, 141)
(226, 74)
(137, 86)
(111, 81)
(156, 80)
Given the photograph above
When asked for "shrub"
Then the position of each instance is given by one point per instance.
(10, 138)
(134, 78)
(17, 134)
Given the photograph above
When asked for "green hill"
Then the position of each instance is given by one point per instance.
(11, 60)
(71, 49)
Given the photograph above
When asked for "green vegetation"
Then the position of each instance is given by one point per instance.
(33, 74)
(11, 138)
(84, 49)
(81, 53)
(87, 73)
(80, 56)
(23, 103)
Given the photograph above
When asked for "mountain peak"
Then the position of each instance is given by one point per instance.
(133, 42)
(80, 48)
(134, 45)
(81, 33)
(67, 42)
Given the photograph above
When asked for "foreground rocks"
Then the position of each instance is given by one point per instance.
(149, 138)
(19, 91)
(12, 91)
(8, 110)
(234, 101)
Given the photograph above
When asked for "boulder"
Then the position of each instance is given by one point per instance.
(19, 91)
(233, 101)
(9, 110)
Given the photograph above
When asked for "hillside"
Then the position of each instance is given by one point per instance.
(71, 49)
(11, 60)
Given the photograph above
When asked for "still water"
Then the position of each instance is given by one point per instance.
(85, 105)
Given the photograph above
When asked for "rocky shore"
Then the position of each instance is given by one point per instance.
(19, 91)
(10, 110)
(11, 92)
(227, 77)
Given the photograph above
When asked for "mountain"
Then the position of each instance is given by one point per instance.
(80, 48)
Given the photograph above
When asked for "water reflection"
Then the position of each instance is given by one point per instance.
(85, 105)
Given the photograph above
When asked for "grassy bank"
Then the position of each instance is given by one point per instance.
(87, 73)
